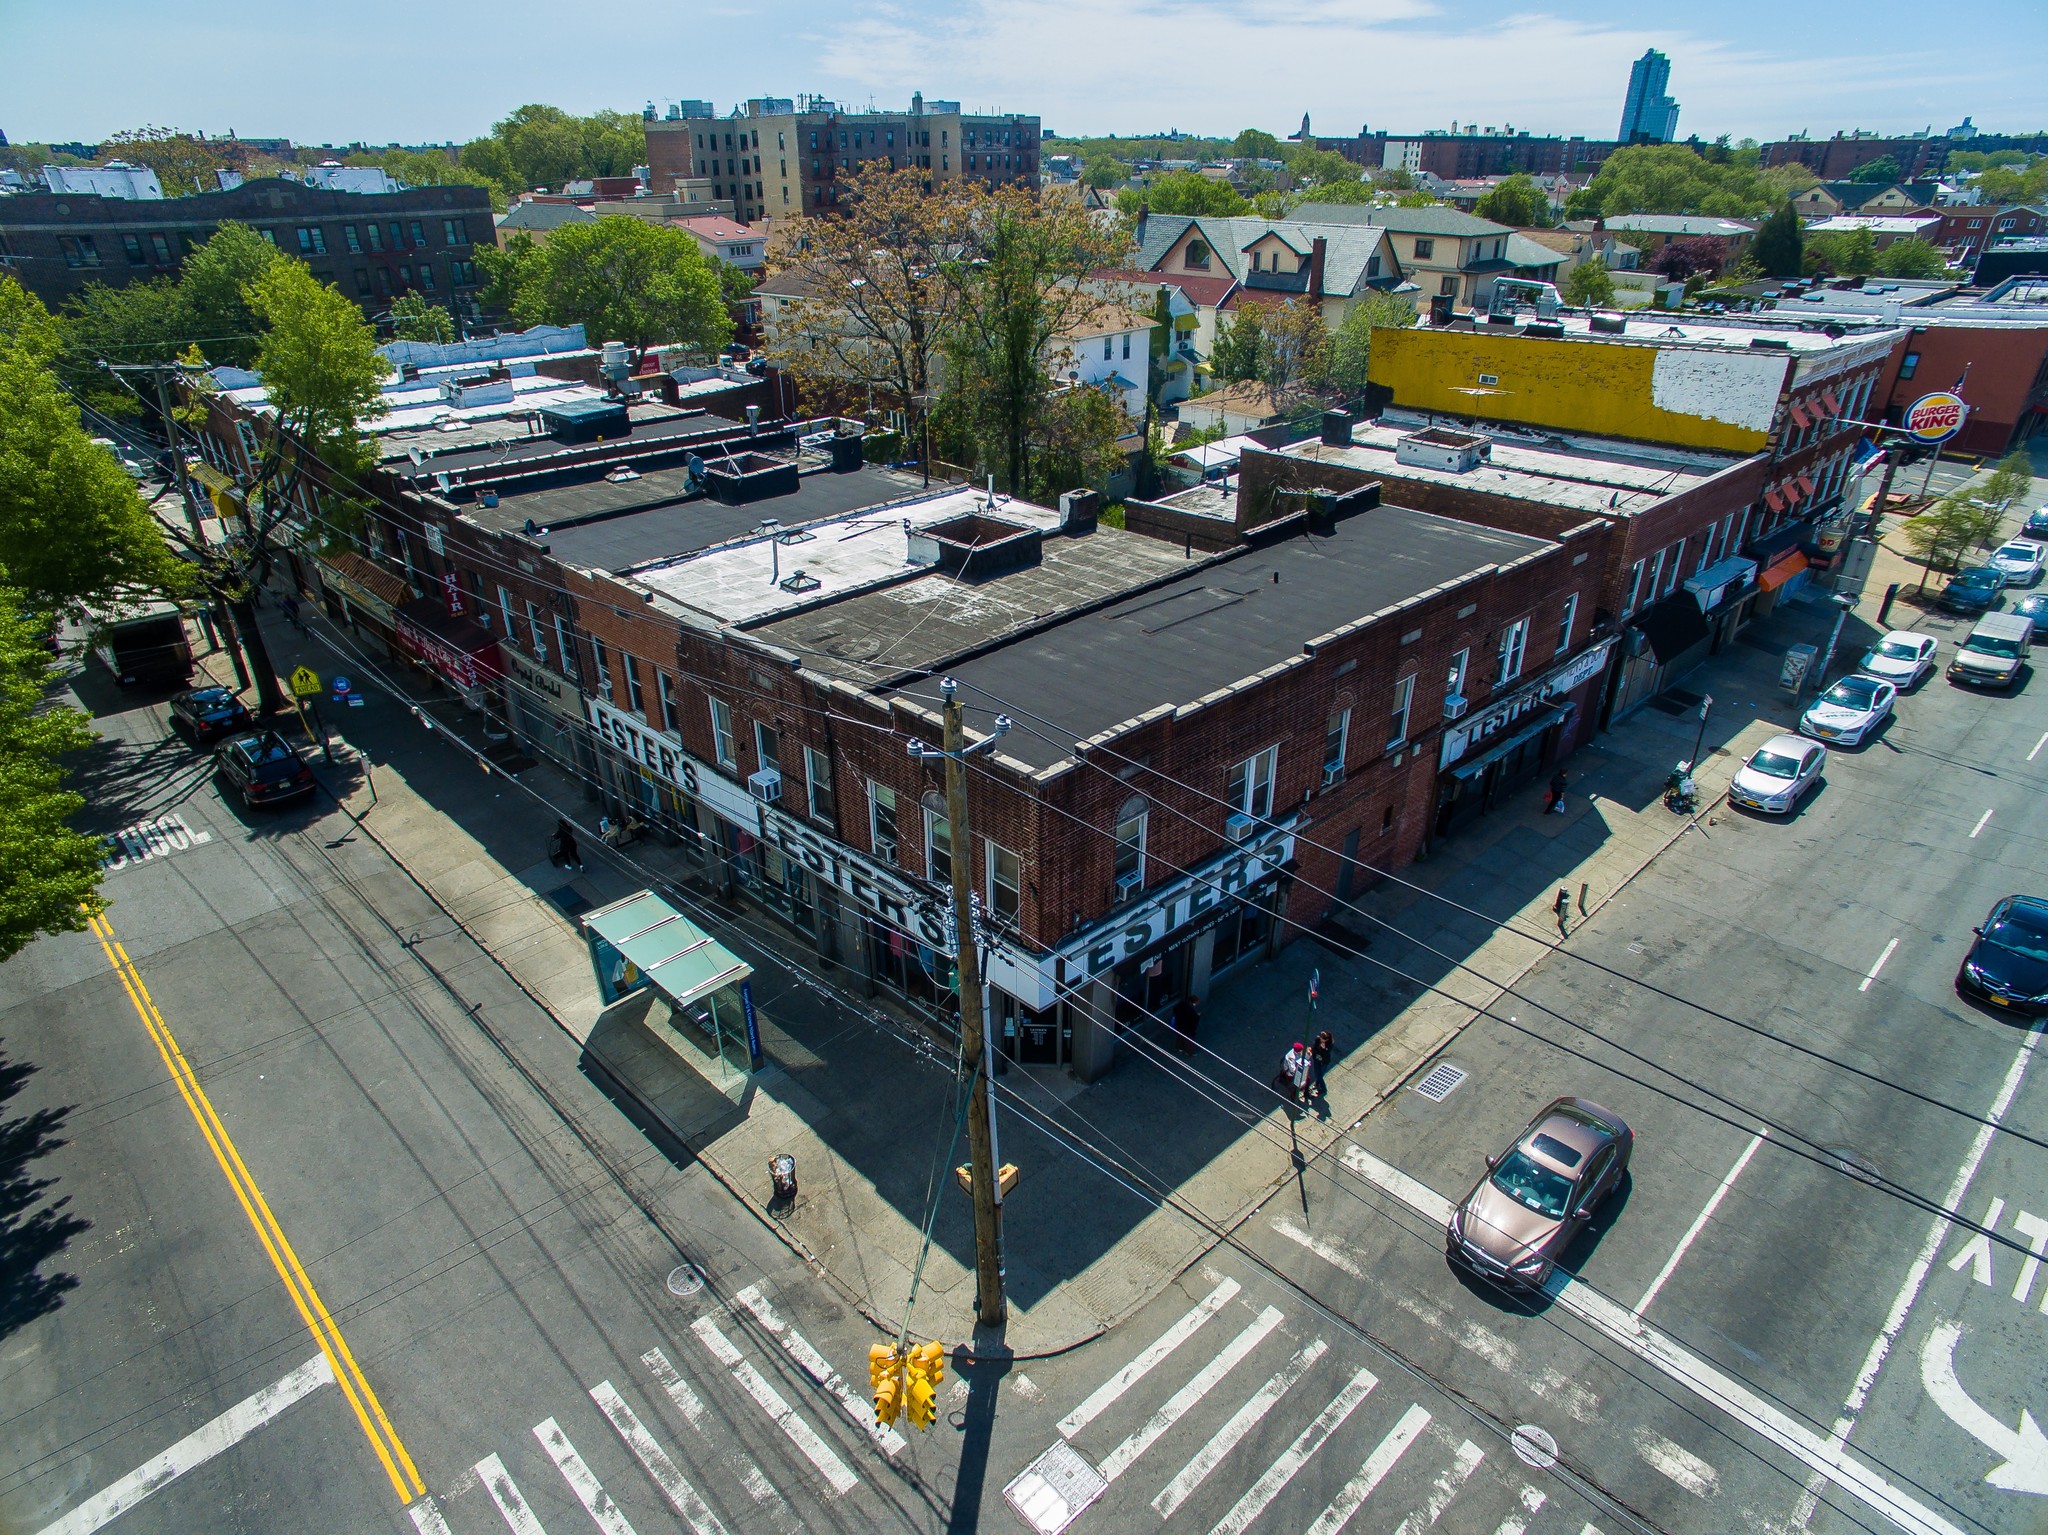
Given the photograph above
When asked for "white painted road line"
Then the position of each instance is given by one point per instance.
(1118, 1460)
(1986, 816)
(1887, 954)
(1411, 1192)
(1231, 1435)
(674, 1485)
(1296, 1455)
(1533, 1500)
(595, 1500)
(1354, 1492)
(1106, 1394)
(815, 1365)
(2037, 746)
(800, 1433)
(759, 1488)
(195, 1449)
(1707, 1214)
(506, 1494)
(1677, 1464)
(1624, 1327)
(426, 1518)
(1443, 1490)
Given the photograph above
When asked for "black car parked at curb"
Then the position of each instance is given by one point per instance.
(209, 713)
(264, 769)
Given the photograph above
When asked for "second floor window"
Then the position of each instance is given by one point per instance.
(1514, 639)
(1005, 885)
(722, 743)
(1250, 787)
(634, 696)
(1424, 249)
(667, 691)
(1337, 737)
(1564, 627)
(768, 745)
(1130, 848)
(882, 821)
(938, 841)
(818, 785)
(1404, 703)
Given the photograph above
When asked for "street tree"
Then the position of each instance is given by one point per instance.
(1961, 521)
(1184, 192)
(1351, 343)
(1240, 353)
(1780, 244)
(49, 871)
(1017, 288)
(1671, 178)
(1589, 284)
(415, 317)
(621, 279)
(876, 299)
(214, 288)
(1516, 201)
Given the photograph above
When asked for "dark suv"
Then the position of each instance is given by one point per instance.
(264, 769)
(207, 714)
(1973, 591)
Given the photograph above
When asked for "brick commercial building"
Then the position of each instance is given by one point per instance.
(1463, 156)
(732, 643)
(1836, 158)
(372, 246)
(781, 158)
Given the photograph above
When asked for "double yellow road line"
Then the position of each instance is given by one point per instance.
(391, 1451)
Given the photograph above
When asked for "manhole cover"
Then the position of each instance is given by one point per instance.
(1855, 1164)
(1440, 1081)
(1534, 1447)
(684, 1280)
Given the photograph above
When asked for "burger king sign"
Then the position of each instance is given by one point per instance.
(1934, 418)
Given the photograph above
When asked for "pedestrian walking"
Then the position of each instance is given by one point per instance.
(1556, 801)
(1319, 1052)
(291, 611)
(1564, 906)
(1294, 1066)
(1186, 1019)
(566, 853)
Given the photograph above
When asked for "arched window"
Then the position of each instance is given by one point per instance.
(1130, 848)
(1197, 254)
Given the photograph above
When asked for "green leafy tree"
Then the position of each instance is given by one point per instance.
(622, 279)
(1416, 198)
(1590, 284)
(214, 289)
(1671, 178)
(1842, 253)
(1184, 192)
(415, 317)
(1295, 365)
(183, 162)
(2006, 183)
(1394, 178)
(1104, 171)
(1240, 353)
(509, 269)
(1351, 344)
(1911, 258)
(423, 167)
(1314, 169)
(1780, 244)
(1958, 523)
(73, 528)
(1353, 192)
(1884, 169)
(49, 871)
(1255, 144)
(1075, 444)
(1516, 201)
(543, 146)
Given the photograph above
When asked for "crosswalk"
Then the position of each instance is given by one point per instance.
(1231, 1421)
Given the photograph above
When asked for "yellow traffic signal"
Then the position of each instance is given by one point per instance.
(885, 1375)
(926, 1367)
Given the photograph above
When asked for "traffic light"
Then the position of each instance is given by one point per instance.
(885, 1375)
(926, 1367)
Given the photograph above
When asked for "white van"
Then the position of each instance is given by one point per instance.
(1995, 651)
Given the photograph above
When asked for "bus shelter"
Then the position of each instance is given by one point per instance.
(642, 942)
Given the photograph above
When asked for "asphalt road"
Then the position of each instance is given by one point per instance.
(1800, 1301)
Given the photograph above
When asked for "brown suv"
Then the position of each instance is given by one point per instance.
(1538, 1195)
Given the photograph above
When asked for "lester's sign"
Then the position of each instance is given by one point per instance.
(1934, 418)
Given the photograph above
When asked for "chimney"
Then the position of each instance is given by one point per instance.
(1336, 429)
(1318, 248)
(1140, 231)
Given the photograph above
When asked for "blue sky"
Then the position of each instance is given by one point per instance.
(380, 70)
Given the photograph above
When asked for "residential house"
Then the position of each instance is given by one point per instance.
(1330, 262)
(1885, 229)
(1110, 350)
(1233, 410)
(1651, 232)
(1446, 254)
(724, 240)
(1195, 305)
(537, 220)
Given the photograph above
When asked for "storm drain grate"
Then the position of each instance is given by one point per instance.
(1440, 1081)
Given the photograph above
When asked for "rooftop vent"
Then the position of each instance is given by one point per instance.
(1438, 447)
(976, 547)
(1608, 324)
(1769, 344)
(741, 478)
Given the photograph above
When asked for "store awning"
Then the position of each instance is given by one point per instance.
(682, 961)
(1765, 550)
(1533, 724)
(1673, 626)
(1781, 570)
(1711, 585)
(1773, 500)
(459, 649)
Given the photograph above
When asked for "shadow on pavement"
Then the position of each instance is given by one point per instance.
(33, 1228)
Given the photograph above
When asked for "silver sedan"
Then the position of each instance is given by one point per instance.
(1777, 774)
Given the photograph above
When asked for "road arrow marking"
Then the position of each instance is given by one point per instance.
(2025, 1467)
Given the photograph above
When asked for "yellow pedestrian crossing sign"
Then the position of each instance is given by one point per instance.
(305, 683)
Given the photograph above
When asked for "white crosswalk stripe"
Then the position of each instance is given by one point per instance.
(497, 1481)
(426, 1518)
(801, 1434)
(1296, 1455)
(1242, 1422)
(674, 1485)
(1105, 1395)
(1533, 1500)
(758, 1487)
(595, 1500)
(815, 1365)
(1148, 1434)
(1444, 1489)
(1351, 1497)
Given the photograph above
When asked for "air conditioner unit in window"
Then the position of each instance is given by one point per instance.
(1128, 886)
(765, 786)
(1239, 827)
(1455, 706)
(1333, 773)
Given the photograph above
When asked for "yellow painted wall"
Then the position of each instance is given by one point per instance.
(1580, 386)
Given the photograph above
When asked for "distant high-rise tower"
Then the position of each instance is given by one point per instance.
(1649, 115)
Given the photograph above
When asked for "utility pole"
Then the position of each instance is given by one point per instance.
(990, 1307)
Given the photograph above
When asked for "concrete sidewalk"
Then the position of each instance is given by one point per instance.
(1125, 1181)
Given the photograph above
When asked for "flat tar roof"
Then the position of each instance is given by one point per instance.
(1179, 642)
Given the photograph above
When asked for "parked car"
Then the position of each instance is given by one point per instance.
(2034, 609)
(1973, 591)
(2020, 561)
(207, 714)
(1901, 658)
(1847, 712)
(2037, 523)
(1995, 652)
(263, 769)
(1777, 774)
(1539, 1193)
(2008, 964)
